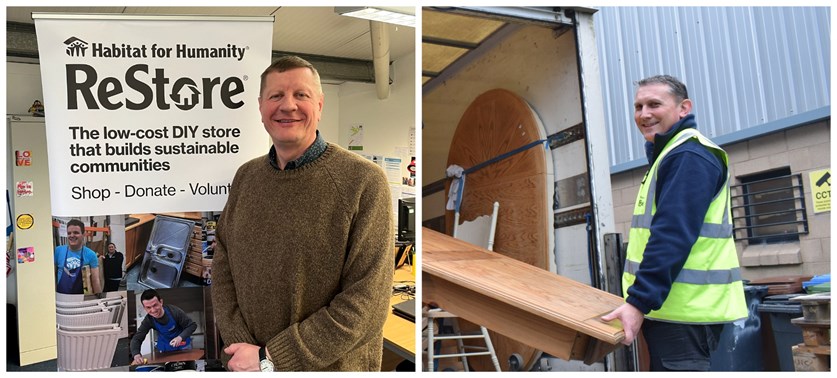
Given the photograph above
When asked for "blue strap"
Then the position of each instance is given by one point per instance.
(506, 155)
(493, 160)
(459, 193)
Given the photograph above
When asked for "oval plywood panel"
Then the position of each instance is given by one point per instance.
(496, 122)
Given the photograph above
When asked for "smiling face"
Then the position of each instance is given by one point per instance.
(153, 307)
(656, 109)
(74, 237)
(291, 105)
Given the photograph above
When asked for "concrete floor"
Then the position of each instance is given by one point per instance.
(121, 357)
(50, 365)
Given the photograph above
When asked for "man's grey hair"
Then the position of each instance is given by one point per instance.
(289, 62)
(675, 86)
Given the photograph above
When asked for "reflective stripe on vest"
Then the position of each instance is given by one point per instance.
(708, 289)
(697, 277)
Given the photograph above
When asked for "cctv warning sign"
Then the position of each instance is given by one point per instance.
(821, 190)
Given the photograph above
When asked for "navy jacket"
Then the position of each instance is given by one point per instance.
(687, 180)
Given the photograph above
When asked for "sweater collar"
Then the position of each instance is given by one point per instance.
(652, 150)
(311, 153)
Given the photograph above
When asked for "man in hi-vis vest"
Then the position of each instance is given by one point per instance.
(681, 281)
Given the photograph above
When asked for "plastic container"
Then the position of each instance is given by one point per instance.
(818, 284)
(740, 343)
(819, 288)
(785, 334)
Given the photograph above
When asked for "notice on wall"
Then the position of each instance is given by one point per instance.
(23, 158)
(25, 254)
(24, 189)
(412, 140)
(392, 167)
(356, 138)
(154, 115)
(821, 190)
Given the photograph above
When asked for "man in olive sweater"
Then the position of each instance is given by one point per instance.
(303, 265)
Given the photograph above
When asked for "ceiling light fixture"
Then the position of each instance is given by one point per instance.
(378, 14)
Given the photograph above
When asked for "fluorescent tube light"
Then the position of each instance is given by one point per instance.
(378, 14)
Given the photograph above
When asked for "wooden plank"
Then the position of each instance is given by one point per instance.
(815, 307)
(544, 310)
(181, 355)
(808, 359)
(814, 333)
(481, 309)
(562, 300)
(823, 350)
(781, 284)
(566, 302)
(193, 269)
(194, 258)
(816, 336)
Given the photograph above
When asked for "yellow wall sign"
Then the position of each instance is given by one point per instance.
(821, 190)
(25, 221)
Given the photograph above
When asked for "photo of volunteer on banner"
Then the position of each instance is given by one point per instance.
(78, 248)
(133, 252)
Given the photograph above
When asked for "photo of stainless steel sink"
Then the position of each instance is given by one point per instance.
(169, 255)
(166, 252)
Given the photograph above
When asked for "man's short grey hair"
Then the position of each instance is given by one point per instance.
(675, 86)
(289, 62)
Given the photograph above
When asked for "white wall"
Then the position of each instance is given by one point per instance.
(23, 87)
(331, 113)
(386, 123)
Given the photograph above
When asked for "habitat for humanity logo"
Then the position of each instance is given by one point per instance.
(75, 46)
(152, 86)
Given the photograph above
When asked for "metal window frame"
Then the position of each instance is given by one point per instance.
(799, 210)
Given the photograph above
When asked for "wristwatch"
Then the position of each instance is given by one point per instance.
(264, 362)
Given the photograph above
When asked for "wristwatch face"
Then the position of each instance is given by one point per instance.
(266, 365)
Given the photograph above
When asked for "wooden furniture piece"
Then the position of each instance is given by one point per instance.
(136, 238)
(499, 121)
(551, 313)
(400, 333)
(157, 357)
(195, 264)
(191, 215)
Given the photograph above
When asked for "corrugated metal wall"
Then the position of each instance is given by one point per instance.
(744, 66)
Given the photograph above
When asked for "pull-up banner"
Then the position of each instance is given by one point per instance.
(149, 113)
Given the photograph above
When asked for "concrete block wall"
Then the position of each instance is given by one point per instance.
(804, 149)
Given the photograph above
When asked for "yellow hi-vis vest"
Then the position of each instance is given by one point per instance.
(709, 289)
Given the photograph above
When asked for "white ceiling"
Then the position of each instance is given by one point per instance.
(304, 30)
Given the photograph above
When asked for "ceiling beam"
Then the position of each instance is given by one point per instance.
(547, 16)
(22, 46)
(336, 69)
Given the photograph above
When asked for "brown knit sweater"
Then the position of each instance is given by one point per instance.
(304, 262)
